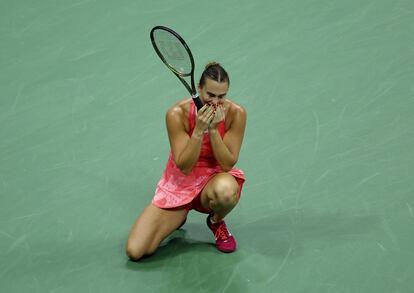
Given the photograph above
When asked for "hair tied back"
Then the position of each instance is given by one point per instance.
(211, 64)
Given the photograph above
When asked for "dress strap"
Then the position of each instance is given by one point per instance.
(222, 128)
(191, 117)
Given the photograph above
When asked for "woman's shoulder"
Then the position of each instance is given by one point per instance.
(234, 109)
(181, 107)
(234, 113)
(178, 113)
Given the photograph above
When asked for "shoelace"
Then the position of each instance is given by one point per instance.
(222, 233)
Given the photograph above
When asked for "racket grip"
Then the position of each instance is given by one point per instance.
(197, 101)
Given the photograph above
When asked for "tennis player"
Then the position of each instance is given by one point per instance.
(200, 173)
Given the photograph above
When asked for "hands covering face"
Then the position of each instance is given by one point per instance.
(209, 116)
(218, 115)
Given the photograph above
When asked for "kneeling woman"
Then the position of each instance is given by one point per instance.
(199, 174)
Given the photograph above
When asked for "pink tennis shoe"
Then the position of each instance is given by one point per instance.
(225, 242)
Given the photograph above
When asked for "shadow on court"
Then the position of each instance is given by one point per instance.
(272, 236)
(176, 245)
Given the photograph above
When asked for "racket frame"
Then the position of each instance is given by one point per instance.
(180, 76)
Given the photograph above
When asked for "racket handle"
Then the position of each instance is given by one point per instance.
(197, 101)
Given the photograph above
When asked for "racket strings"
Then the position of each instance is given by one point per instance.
(173, 52)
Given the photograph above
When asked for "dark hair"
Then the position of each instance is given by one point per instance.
(214, 71)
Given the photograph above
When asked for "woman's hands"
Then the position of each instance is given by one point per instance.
(204, 116)
(218, 116)
(209, 116)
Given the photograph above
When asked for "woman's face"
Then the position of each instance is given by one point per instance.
(213, 92)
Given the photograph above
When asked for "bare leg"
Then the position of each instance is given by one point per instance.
(152, 226)
(220, 195)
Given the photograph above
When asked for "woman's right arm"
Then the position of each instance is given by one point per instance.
(185, 149)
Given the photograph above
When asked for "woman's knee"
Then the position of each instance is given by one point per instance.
(226, 191)
(135, 253)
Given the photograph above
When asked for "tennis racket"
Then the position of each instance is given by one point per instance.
(176, 55)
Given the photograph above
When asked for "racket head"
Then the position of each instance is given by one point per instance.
(172, 50)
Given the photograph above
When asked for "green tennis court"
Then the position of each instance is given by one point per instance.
(328, 150)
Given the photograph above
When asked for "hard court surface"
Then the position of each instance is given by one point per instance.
(328, 150)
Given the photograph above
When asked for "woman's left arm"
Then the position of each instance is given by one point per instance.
(226, 150)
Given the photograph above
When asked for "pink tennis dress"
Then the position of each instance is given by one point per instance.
(175, 189)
